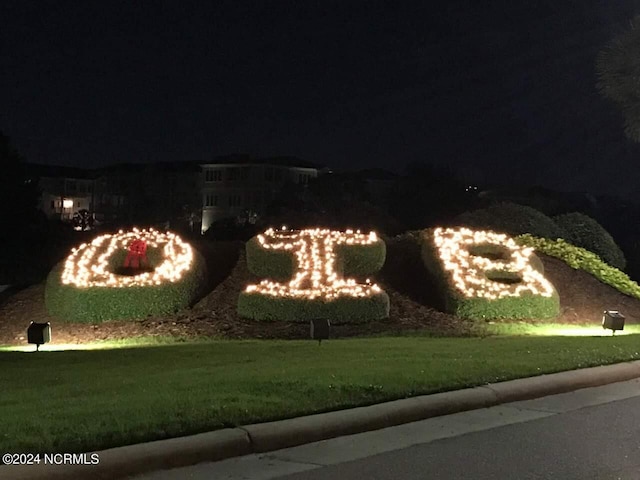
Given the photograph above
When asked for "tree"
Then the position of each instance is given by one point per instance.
(83, 220)
(22, 225)
(429, 195)
(618, 71)
(337, 201)
(18, 193)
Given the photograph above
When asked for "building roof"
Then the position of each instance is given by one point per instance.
(150, 167)
(58, 171)
(244, 159)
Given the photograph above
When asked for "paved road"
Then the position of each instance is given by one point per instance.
(590, 434)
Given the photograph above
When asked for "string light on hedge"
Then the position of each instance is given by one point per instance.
(88, 265)
(315, 276)
(468, 272)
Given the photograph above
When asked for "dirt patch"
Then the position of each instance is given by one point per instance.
(414, 305)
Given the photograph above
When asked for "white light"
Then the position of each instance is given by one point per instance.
(67, 203)
(315, 277)
(468, 272)
(87, 266)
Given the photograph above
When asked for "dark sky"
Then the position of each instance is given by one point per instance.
(505, 88)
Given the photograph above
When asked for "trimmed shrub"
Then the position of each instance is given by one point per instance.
(581, 259)
(98, 304)
(282, 265)
(341, 310)
(496, 252)
(583, 231)
(527, 305)
(361, 259)
(269, 263)
(512, 219)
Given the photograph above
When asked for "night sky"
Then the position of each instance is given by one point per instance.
(501, 89)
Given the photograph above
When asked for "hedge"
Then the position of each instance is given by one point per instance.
(583, 231)
(582, 259)
(98, 304)
(527, 305)
(361, 259)
(512, 219)
(281, 264)
(344, 309)
(269, 263)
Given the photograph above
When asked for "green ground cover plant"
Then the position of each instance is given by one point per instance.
(581, 259)
(92, 400)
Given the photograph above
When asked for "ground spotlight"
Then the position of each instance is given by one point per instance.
(39, 334)
(320, 329)
(613, 320)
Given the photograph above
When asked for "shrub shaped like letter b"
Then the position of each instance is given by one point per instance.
(485, 275)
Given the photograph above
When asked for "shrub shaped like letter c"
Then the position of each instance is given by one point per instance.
(485, 275)
(306, 274)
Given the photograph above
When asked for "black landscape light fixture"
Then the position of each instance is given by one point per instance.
(320, 329)
(39, 334)
(613, 320)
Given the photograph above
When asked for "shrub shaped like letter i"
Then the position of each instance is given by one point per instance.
(306, 276)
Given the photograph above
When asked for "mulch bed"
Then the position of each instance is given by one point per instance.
(583, 298)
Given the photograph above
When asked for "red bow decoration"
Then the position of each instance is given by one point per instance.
(137, 255)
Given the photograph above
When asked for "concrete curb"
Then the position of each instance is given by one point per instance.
(131, 460)
(533, 387)
(122, 462)
(270, 436)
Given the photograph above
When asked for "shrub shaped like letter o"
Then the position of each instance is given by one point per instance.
(89, 286)
(306, 276)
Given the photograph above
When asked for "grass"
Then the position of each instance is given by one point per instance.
(556, 329)
(73, 401)
(141, 341)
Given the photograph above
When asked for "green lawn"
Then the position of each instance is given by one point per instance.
(556, 329)
(72, 401)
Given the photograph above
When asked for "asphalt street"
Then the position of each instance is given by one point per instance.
(589, 434)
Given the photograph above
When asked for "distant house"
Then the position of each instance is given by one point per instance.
(64, 190)
(151, 193)
(165, 193)
(239, 185)
(155, 193)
